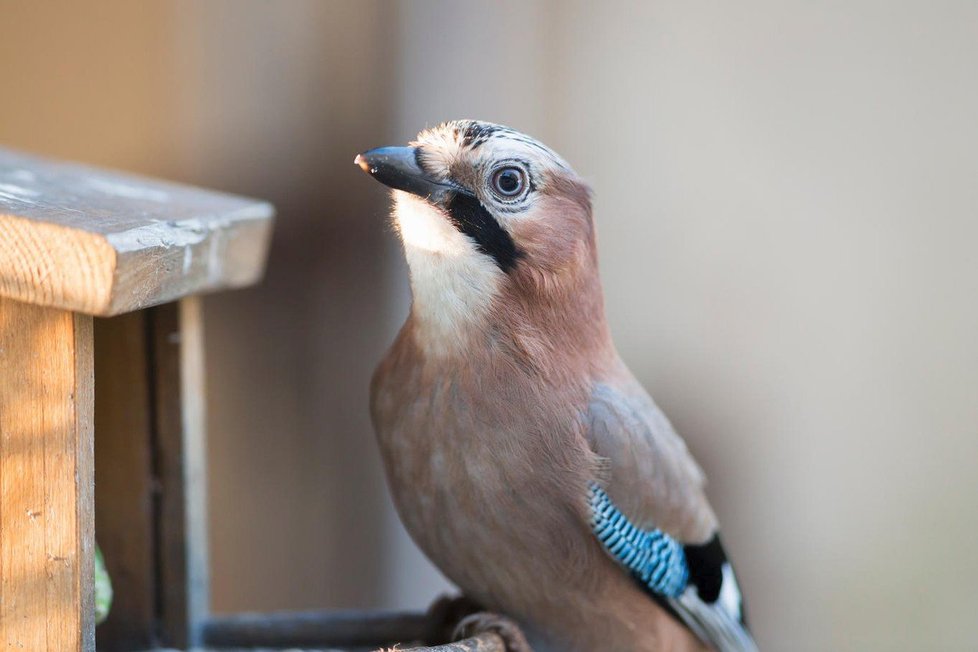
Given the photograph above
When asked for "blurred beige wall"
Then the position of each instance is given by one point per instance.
(787, 198)
(787, 214)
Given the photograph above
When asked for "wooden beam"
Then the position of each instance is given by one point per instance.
(176, 334)
(316, 628)
(125, 489)
(348, 630)
(46, 480)
(106, 243)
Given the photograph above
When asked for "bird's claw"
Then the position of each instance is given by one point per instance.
(445, 614)
(505, 628)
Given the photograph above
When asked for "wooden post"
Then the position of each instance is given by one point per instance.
(46, 479)
(176, 332)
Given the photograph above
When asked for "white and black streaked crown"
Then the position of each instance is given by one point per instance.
(475, 134)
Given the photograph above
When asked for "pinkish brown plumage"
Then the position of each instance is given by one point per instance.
(503, 400)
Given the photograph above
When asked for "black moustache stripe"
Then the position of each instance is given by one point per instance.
(471, 218)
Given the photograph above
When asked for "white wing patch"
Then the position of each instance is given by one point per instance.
(729, 599)
(719, 622)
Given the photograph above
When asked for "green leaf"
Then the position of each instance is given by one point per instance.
(103, 588)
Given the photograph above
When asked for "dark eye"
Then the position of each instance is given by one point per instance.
(509, 181)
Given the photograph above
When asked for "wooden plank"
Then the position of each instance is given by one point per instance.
(46, 479)
(124, 484)
(176, 333)
(49, 265)
(106, 243)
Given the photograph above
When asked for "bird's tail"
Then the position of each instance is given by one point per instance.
(712, 622)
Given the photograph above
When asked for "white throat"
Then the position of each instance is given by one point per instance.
(453, 283)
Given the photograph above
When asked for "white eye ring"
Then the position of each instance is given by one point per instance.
(508, 182)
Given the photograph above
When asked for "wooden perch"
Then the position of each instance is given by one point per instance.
(484, 642)
(369, 630)
(315, 628)
(484, 631)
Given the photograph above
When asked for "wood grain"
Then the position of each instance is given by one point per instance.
(46, 479)
(105, 243)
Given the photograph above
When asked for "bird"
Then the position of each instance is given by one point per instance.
(523, 457)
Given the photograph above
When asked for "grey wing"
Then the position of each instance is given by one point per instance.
(649, 471)
(654, 487)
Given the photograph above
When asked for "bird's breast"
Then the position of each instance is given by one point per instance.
(485, 483)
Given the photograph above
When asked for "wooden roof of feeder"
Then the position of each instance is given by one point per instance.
(104, 243)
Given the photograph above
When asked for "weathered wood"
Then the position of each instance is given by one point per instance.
(105, 243)
(125, 488)
(484, 632)
(46, 480)
(316, 628)
(177, 378)
(484, 642)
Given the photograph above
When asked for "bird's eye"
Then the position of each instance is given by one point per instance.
(508, 182)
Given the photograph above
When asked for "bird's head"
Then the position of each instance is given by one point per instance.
(491, 221)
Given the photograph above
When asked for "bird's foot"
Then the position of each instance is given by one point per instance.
(444, 616)
(505, 628)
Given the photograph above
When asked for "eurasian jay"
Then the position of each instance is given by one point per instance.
(523, 457)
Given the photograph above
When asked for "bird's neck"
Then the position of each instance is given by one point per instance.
(452, 300)
(460, 314)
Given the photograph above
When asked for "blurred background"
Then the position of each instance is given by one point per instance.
(786, 198)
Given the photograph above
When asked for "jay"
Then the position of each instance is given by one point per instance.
(523, 456)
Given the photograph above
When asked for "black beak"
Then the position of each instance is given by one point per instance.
(398, 168)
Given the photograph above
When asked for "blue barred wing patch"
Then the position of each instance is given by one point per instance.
(652, 556)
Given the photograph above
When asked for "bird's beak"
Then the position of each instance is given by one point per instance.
(397, 167)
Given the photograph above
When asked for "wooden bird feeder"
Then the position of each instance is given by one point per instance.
(101, 378)
(101, 330)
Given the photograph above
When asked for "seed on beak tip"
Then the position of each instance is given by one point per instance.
(363, 163)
